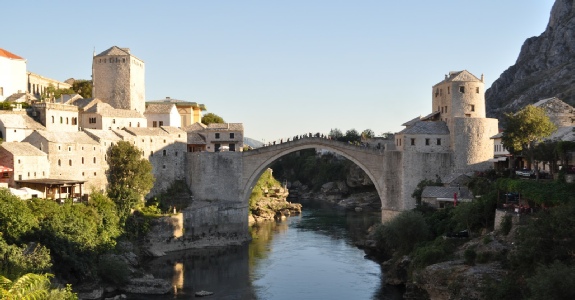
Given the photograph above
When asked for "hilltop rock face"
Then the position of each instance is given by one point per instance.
(545, 67)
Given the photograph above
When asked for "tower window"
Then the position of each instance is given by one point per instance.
(462, 89)
(426, 142)
(472, 107)
(232, 135)
(413, 142)
(161, 123)
(438, 142)
(164, 152)
(448, 90)
(217, 135)
(154, 124)
(477, 90)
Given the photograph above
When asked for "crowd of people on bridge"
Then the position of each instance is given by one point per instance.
(322, 136)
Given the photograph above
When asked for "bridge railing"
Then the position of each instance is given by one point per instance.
(322, 140)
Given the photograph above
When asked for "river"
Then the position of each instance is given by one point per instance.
(311, 256)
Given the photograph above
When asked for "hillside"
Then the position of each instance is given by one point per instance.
(545, 67)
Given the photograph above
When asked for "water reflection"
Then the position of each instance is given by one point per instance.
(311, 256)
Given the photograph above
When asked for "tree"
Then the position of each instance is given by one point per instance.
(33, 286)
(525, 129)
(421, 185)
(351, 136)
(367, 134)
(16, 219)
(335, 134)
(52, 92)
(83, 87)
(130, 177)
(210, 118)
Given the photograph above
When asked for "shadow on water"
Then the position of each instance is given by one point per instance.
(311, 256)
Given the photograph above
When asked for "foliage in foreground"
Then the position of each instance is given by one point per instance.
(34, 286)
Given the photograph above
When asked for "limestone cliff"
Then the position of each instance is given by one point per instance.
(545, 67)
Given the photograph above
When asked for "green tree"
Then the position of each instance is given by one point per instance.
(335, 134)
(556, 281)
(16, 219)
(404, 232)
(83, 87)
(367, 134)
(351, 136)
(52, 92)
(420, 186)
(33, 286)
(525, 129)
(16, 261)
(210, 118)
(130, 177)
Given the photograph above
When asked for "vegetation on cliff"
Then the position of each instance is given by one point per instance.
(268, 199)
(532, 253)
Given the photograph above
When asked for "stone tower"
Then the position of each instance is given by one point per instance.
(460, 101)
(118, 79)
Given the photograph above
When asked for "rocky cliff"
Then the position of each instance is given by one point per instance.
(545, 67)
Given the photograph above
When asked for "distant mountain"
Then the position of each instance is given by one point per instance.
(252, 143)
(545, 67)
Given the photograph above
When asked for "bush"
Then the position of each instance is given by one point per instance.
(469, 255)
(506, 225)
(113, 270)
(405, 231)
(433, 252)
(556, 281)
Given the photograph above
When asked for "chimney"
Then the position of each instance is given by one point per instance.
(482, 77)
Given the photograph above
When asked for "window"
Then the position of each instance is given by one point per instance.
(413, 142)
(217, 135)
(161, 123)
(442, 109)
(94, 173)
(113, 121)
(164, 141)
(82, 173)
(130, 124)
(69, 148)
(82, 160)
(448, 90)
(440, 92)
(232, 147)
(74, 121)
(468, 115)
(138, 124)
(59, 148)
(164, 153)
(70, 162)
(5, 175)
(19, 161)
(164, 166)
(52, 119)
(19, 177)
(67, 120)
(436, 92)
(176, 153)
(154, 124)
(61, 120)
(59, 162)
(438, 142)
(472, 107)
(477, 90)
(94, 159)
(92, 120)
(232, 135)
(445, 109)
(151, 153)
(426, 142)
(462, 89)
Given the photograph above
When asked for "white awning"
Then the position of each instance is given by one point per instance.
(497, 159)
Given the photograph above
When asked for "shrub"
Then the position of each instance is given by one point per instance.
(556, 281)
(114, 270)
(469, 255)
(506, 225)
(405, 231)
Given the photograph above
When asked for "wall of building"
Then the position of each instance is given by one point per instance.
(37, 84)
(119, 81)
(473, 146)
(12, 77)
(119, 123)
(425, 142)
(25, 167)
(215, 176)
(57, 117)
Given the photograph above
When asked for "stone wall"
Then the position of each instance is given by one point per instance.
(56, 117)
(215, 176)
(473, 146)
(37, 84)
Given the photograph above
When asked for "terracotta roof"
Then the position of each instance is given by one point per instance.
(22, 149)
(8, 54)
(159, 108)
(19, 120)
(426, 127)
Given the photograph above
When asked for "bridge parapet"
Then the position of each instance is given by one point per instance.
(312, 140)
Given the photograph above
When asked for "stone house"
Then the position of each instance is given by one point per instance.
(56, 117)
(26, 161)
(217, 137)
(423, 136)
(72, 156)
(160, 114)
(190, 112)
(12, 74)
(15, 126)
(101, 115)
(118, 79)
(164, 147)
(444, 196)
(38, 84)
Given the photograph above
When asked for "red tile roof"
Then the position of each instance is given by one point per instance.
(8, 54)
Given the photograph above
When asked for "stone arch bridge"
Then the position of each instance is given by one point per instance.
(229, 177)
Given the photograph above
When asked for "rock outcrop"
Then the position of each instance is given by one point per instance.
(545, 67)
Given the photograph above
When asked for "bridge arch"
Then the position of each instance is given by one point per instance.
(255, 162)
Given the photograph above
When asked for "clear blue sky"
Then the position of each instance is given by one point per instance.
(283, 67)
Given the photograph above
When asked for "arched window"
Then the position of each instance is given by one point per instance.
(67, 120)
(164, 153)
(82, 160)
(59, 162)
(70, 162)
(94, 159)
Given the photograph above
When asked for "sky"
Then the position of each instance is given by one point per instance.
(283, 68)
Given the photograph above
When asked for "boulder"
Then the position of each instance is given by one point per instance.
(148, 285)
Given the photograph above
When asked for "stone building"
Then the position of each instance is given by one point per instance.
(119, 79)
(164, 147)
(17, 125)
(160, 114)
(190, 112)
(217, 137)
(12, 74)
(38, 84)
(72, 156)
(26, 161)
(444, 196)
(103, 116)
(56, 117)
